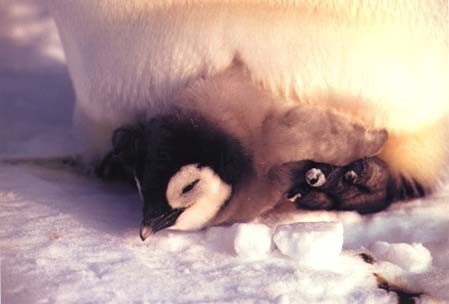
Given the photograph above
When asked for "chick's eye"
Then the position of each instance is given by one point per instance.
(190, 186)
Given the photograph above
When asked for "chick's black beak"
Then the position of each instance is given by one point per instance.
(153, 224)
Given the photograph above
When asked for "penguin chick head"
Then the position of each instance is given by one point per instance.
(185, 168)
(200, 192)
(194, 194)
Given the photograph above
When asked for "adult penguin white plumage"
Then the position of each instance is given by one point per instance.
(381, 64)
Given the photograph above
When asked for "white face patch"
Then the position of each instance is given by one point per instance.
(185, 186)
(200, 191)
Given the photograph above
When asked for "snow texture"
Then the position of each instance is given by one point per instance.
(411, 257)
(69, 238)
(317, 244)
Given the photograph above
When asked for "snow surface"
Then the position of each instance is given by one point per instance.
(316, 244)
(411, 257)
(69, 238)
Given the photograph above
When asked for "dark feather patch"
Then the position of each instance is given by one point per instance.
(405, 189)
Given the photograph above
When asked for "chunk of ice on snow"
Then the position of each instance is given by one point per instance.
(252, 240)
(379, 248)
(316, 244)
(410, 257)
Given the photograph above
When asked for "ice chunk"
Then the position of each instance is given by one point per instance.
(410, 257)
(249, 240)
(316, 244)
(252, 240)
(379, 249)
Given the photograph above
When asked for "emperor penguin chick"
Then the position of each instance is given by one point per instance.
(203, 165)
(198, 166)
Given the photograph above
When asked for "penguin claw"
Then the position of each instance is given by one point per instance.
(351, 177)
(293, 197)
(316, 200)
